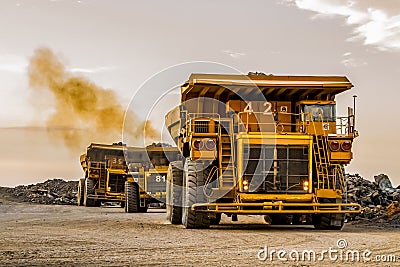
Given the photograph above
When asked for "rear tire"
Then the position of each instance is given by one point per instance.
(174, 192)
(194, 194)
(280, 219)
(143, 209)
(89, 190)
(81, 196)
(324, 221)
(216, 220)
(131, 197)
(328, 221)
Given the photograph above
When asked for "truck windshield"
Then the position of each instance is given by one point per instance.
(318, 112)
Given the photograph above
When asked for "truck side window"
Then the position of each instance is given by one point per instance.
(318, 112)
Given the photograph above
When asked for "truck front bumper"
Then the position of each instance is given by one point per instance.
(277, 207)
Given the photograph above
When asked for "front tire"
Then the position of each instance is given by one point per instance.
(89, 190)
(174, 192)
(81, 188)
(329, 221)
(324, 221)
(194, 194)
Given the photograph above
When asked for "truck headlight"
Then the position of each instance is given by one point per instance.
(346, 146)
(245, 185)
(198, 144)
(210, 144)
(305, 185)
(334, 145)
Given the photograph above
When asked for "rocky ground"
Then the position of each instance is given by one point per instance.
(54, 235)
(379, 199)
(55, 191)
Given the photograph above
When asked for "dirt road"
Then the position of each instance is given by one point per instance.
(38, 235)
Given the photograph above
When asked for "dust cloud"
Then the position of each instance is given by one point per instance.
(83, 112)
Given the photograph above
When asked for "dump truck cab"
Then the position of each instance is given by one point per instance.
(261, 144)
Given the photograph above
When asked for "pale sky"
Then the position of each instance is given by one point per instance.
(120, 44)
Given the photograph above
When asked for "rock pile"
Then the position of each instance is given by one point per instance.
(379, 199)
(56, 191)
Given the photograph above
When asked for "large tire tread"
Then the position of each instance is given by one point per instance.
(323, 221)
(89, 189)
(81, 193)
(174, 191)
(194, 193)
(131, 197)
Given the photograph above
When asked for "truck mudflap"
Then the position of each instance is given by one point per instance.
(277, 207)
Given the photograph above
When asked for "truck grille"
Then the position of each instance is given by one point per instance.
(156, 183)
(282, 168)
(201, 126)
(116, 183)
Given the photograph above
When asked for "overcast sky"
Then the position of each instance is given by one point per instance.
(120, 44)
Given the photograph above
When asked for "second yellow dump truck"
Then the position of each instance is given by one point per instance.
(134, 177)
(260, 144)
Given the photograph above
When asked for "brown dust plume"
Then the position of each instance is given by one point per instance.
(84, 113)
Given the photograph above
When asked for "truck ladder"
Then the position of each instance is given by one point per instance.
(100, 167)
(226, 169)
(322, 161)
(103, 175)
(325, 174)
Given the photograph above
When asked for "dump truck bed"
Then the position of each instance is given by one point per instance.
(227, 87)
(97, 152)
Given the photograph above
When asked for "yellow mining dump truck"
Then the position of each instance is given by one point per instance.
(260, 144)
(135, 177)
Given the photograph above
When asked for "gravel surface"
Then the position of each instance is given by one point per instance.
(67, 235)
(52, 235)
